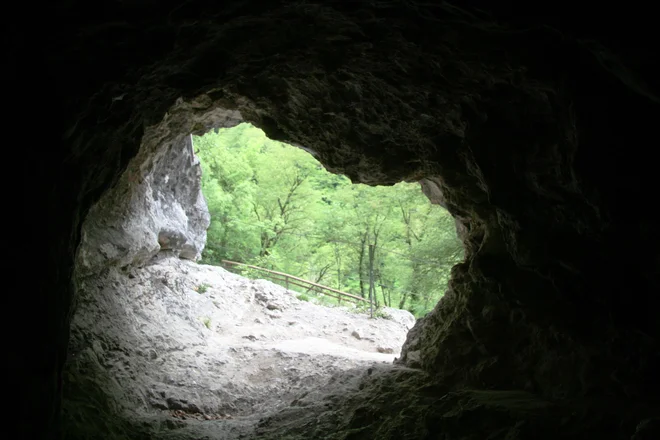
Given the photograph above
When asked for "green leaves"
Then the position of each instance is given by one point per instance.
(275, 206)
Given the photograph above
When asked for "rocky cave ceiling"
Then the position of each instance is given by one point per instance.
(535, 129)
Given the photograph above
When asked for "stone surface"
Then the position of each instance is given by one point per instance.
(536, 123)
(156, 205)
(149, 345)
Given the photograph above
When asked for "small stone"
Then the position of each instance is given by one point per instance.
(355, 334)
(414, 359)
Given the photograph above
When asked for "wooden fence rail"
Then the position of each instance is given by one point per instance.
(300, 282)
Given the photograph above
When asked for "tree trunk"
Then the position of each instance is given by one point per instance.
(361, 271)
(372, 291)
(319, 278)
(382, 290)
(338, 263)
(414, 285)
(402, 303)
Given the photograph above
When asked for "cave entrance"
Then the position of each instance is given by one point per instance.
(163, 337)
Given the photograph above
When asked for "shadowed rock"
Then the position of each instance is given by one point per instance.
(534, 129)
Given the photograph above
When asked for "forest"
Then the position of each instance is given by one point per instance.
(273, 205)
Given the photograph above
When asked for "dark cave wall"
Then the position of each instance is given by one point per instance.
(557, 311)
(539, 147)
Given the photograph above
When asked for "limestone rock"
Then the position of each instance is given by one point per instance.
(149, 345)
(156, 206)
(403, 317)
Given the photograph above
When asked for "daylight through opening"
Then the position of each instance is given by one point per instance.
(277, 209)
(227, 274)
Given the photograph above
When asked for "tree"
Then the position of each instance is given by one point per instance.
(275, 206)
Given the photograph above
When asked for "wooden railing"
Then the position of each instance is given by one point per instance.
(295, 281)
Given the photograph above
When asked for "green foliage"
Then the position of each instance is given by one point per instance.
(207, 322)
(275, 206)
(202, 288)
(364, 308)
(380, 313)
(302, 297)
(361, 307)
(325, 300)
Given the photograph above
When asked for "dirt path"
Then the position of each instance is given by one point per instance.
(206, 350)
(315, 346)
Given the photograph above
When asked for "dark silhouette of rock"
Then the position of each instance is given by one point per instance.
(534, 125)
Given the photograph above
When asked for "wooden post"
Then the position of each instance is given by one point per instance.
(286, 281)
(372, 291)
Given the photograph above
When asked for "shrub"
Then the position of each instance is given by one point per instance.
(379, 313)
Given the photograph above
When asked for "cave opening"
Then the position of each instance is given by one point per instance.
(274, 206)
(538, 124)
(164, 336)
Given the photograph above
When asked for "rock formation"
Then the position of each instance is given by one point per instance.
(157, 204)
(177, 347)
(536, 130)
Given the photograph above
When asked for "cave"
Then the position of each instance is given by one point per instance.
(533, 127)
(162, 344)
